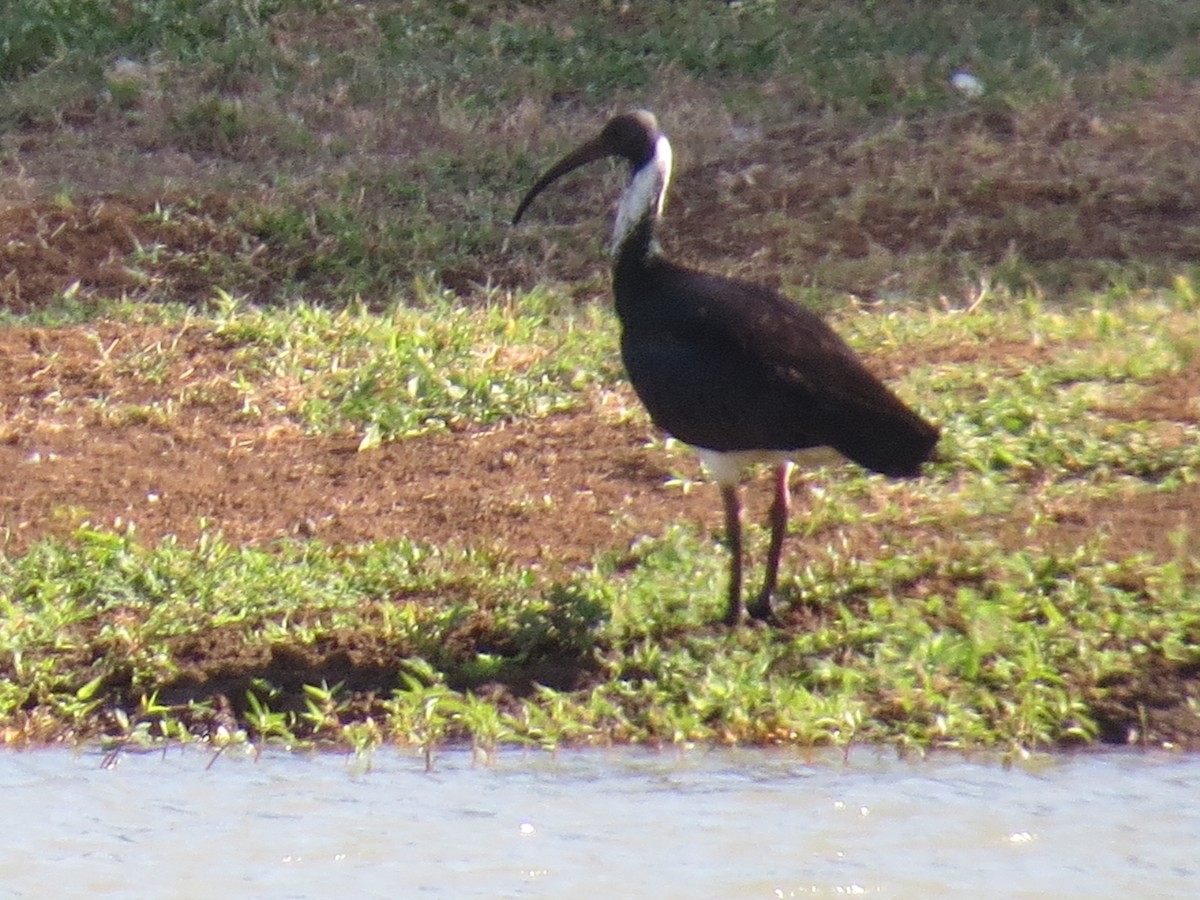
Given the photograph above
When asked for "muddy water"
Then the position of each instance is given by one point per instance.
(598, 824)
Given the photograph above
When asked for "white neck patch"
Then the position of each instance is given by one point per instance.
(646, 193)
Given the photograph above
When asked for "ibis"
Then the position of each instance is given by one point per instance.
(736, 370)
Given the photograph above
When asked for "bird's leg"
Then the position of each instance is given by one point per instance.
(761, 608)
(733, 537)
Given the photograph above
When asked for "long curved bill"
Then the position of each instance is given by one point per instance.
(597, 148)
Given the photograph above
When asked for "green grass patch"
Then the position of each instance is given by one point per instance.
(434, 366)
(37, 32)
(993, 648)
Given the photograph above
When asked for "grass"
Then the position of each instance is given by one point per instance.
(439, 365)
(1008, 651)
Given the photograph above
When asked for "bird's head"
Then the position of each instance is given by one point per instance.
(634, 137)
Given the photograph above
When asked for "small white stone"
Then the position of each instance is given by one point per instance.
(967, 84)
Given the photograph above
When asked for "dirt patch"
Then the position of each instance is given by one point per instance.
(1173, 397)
(516, 489)
(111, 245)
(1163, 694)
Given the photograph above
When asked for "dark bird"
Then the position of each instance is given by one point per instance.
(736, 370)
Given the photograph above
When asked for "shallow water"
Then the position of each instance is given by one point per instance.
(621, 823)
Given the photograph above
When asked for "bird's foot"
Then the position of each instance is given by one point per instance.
(758, 611)
(762, 611)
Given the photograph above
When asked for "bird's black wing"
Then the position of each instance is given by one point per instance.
(730, 365)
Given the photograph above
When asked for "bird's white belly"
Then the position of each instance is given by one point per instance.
(727, 466)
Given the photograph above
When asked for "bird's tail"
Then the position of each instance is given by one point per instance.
(896, 445)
